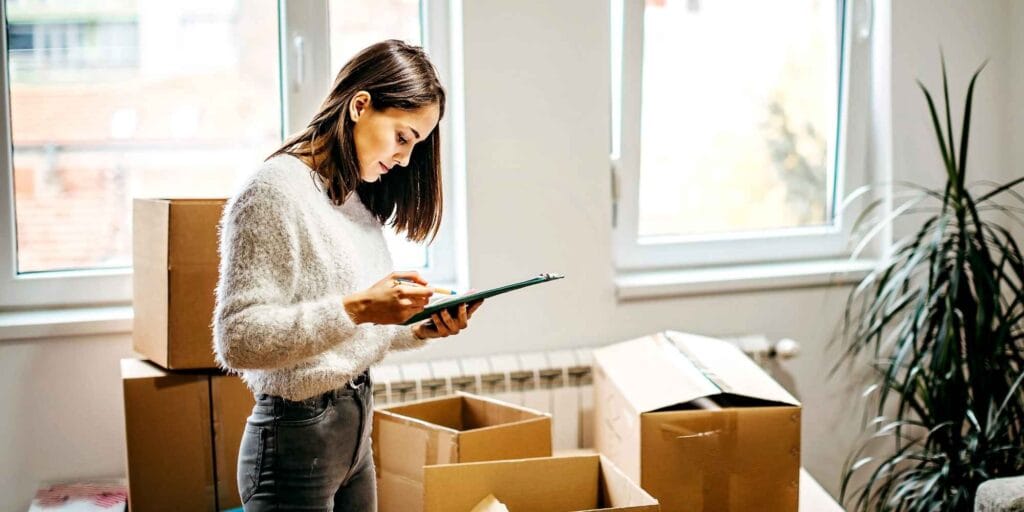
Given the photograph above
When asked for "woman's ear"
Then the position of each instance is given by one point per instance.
(359, 104)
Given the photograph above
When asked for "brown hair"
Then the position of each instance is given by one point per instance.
(397, 75)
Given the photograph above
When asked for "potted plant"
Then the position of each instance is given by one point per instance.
(940, 326)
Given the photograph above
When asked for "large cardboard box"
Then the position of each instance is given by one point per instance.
(231, 402)
(450, 429)
(698, 424)
(183, 431)
(169, 440)
(175, 275)
(549, 484)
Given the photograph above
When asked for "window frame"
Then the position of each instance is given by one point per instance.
(305, 19)
(847, 150)
(36, 289)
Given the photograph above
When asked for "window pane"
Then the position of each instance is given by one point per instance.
(738, 115)
(117, 99)
(354, 25)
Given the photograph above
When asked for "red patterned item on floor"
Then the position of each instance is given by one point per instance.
(105, 496)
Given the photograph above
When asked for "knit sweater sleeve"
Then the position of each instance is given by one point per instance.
(256, 322)
(402, 337)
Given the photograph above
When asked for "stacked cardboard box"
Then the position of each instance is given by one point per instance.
(697, 424)
(692, 420)
(175, 263)
(183, 418)
(183, 430)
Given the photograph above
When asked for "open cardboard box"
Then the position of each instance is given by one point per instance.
(451, 429)
(175, 264)
(183, 431)
(549, 484)
(697, 424)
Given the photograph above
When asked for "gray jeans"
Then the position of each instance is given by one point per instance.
(313, 454)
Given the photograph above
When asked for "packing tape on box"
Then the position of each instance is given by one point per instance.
(712, 448)
(675, 349)
(437, 446)
(716, 446)
(441, 448)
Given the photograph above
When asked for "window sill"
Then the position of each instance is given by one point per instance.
(76, 321)
(58, 323)
(716, 280)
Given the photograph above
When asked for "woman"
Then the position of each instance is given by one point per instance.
(307, 300)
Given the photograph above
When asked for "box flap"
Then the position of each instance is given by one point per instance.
(652, 374)
(406, 445)
(729, 368)
(481, 412)
(150, 291)
(552, 484)
(396, 493)
(402, 446)
(151, 220)
(618, 491)
(430, 413)
(519, 440)
(616, 425)
(464, 412)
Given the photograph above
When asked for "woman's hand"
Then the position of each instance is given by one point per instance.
(389, 301)
(443, 324)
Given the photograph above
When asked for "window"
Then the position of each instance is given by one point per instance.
(38, 47)
(354, 25)
(111, 100)
(730, 130)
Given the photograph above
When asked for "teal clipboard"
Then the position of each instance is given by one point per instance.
(475, 296)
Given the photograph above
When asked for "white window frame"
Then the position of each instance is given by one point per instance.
(782, 245)
(305, 78)
(37, 289)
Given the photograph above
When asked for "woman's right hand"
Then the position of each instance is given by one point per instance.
(389, 301)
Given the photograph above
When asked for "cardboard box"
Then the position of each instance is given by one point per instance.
(549, 484)
(175, 277)
(169, 440)
(451, 429)
(740, 454)
(232, 402)
(183, 431)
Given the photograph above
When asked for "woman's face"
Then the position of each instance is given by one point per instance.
(385, 138)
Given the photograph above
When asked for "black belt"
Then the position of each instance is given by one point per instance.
(359, 380)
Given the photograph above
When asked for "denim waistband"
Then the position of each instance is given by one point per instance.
(357, 383)
(359, 380)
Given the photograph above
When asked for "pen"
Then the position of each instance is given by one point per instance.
(442, 291)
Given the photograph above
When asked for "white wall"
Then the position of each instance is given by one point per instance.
(63, 416)
(969, 33)
(537, 126)
(1014, 166)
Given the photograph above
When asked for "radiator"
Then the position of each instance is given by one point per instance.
(558, 382)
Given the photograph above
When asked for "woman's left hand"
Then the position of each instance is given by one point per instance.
(443, 324)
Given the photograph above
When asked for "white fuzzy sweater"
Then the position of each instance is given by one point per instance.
(287, 257)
